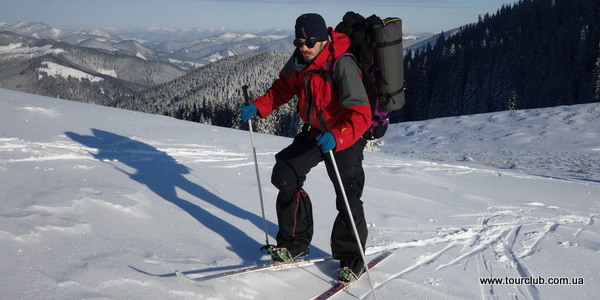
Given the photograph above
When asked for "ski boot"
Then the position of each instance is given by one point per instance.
(351, 269)
(283, 255)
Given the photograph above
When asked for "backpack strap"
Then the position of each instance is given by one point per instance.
(330, 74)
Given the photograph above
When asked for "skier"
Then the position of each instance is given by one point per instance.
(335, 119)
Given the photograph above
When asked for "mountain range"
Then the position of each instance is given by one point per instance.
(185, 48)
(104, 66)
(61, 70)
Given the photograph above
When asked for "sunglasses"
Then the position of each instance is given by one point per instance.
(309, 43)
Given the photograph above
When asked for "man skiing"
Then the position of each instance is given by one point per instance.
(335, 118)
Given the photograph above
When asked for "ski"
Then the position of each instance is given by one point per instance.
(338, 287)
(268, 266)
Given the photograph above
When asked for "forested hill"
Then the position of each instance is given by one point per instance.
(535, 53)
(212, 94)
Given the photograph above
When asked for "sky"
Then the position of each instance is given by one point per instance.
(253, 15)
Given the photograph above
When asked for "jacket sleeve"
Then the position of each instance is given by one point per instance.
(356, 118)
(281, 91)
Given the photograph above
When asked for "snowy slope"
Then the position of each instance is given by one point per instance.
(105, 203)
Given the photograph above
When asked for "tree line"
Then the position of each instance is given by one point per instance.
(536, 53)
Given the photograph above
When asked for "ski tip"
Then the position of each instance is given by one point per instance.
(183, 276)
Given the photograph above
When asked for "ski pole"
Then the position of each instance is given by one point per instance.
(262, 206)
(350, 216)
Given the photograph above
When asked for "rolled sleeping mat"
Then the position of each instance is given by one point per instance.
(389, 57)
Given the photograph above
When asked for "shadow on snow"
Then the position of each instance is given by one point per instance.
(163, 175)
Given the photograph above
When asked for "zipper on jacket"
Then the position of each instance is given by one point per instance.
(310, 105)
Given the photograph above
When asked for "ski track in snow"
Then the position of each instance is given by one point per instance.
(507, 238)
(504, 234)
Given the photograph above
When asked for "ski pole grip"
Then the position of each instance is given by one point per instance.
(246, 97)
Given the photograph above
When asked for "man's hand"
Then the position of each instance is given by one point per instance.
(326, 141)
(248, 110)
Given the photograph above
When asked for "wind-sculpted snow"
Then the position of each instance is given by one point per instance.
(100, 202)
(565, 144)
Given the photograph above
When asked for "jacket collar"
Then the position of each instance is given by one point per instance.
(338, 44)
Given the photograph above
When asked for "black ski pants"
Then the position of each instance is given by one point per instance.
(294, 208)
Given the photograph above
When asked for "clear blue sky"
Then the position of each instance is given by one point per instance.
(418, 15)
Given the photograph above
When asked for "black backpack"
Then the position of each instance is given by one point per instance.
(376, 46)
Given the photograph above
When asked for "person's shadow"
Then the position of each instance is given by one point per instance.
(163, 174)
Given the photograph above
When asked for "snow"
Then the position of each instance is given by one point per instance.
(18, 51)
(275, 37)
(140, 55)
(109, 72)
(11, 47)
(217, 56)
(56, 70)
(99, 202)
(56, 31)
(177, 61)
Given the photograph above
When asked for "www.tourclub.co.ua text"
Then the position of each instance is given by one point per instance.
(533, 280)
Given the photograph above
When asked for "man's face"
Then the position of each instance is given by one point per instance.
(310, 54)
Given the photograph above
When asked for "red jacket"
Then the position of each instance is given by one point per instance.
(348, 117)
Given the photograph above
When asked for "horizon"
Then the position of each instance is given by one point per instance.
(257, 15)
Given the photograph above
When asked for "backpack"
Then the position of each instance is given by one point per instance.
(376, 46)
